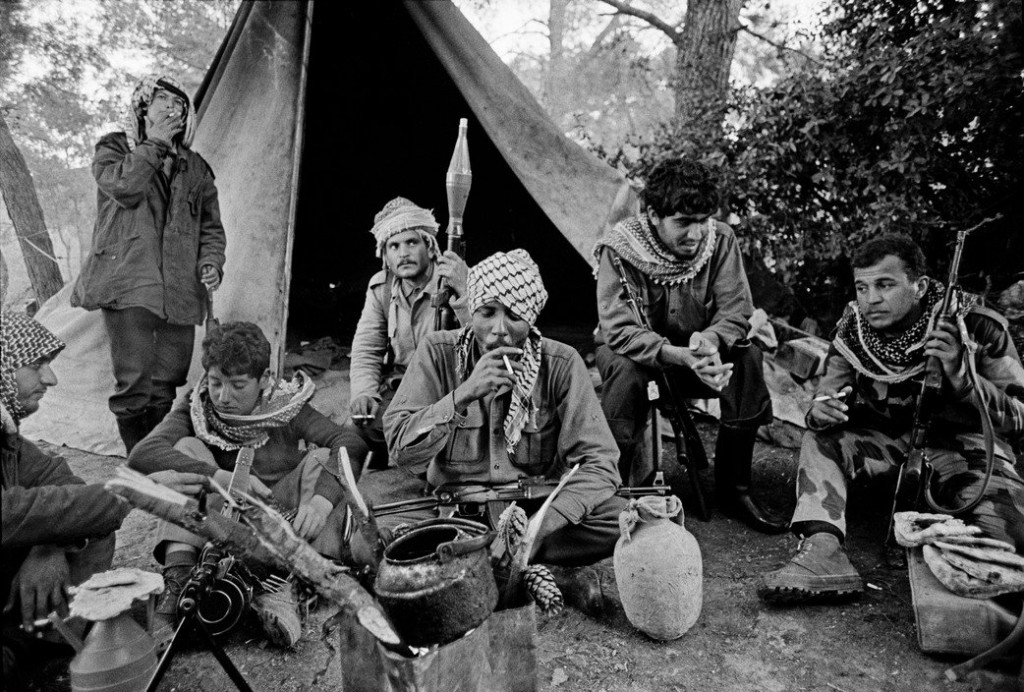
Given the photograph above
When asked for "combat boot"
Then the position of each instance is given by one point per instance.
(278, 612)
(819, 572)
(734, 457)
(165, 615)
(581, 588)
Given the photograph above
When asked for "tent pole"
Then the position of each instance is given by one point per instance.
(300, 119)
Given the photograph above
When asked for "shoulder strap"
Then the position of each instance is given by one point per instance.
(389, 353)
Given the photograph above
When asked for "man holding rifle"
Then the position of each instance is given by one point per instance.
(494, 402)
(686, 269)
(397, 313)
(860, 424)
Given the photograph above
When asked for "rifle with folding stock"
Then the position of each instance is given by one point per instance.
(664, 398)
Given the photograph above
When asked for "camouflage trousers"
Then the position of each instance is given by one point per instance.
(831, 459)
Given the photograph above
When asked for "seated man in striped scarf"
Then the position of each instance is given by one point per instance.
(237, 414)
(493, 402)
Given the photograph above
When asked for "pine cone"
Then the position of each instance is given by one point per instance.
(512, 527)
(541, 585)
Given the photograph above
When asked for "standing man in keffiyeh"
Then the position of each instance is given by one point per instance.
(687, 270)
(157, 248)
(861, 429)
(397, 313)
(470, 417)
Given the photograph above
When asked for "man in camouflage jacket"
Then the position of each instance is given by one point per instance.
(863, 428)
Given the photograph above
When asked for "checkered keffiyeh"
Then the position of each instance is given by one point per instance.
(513, 280)
(510, 278)
(400, 215)
(635, 241)
(24, 341)
(133, 122)
(229, 432)
(893, 357)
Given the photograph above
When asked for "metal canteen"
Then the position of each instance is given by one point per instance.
(435, 582)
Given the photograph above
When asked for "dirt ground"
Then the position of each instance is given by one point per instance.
(738, 643)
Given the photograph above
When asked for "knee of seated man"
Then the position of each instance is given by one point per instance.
(195, 448)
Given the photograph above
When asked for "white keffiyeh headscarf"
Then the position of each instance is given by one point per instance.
(400, 215)
(513, 280)
(133, 121)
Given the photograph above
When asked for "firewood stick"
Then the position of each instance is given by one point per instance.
(522, 557)
(267, 538)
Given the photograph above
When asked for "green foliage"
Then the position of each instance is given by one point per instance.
(66, 68)
(912, 124)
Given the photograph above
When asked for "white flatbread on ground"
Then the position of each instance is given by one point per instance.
(912, 529)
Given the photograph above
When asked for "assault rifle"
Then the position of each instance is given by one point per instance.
(913, 486)
(663, 395)
(473, 499)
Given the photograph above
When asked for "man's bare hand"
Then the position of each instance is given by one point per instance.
(453, 268)
(210, 277)
(709, 368)
(830, 411)
(185, 483)
(944, 343)
(41, 585)
(705, 344)
(713, 372)
(364, 405)
(489, 375)
(164, 126)
(312, 517)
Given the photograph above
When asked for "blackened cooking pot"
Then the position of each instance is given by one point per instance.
(435, 582)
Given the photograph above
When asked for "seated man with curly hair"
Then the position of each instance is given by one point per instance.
(238, 414)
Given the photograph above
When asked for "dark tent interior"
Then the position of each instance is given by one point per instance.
(381, 120)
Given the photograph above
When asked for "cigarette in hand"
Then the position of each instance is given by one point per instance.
(826, 397)
(508, 366)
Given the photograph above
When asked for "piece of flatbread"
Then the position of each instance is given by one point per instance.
(912, 529)
(1002, 557)
(987, 571)
(959, 581)
(114, 577)
(111, 593)
(979, 542)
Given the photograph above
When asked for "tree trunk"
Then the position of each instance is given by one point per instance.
(27, 216)
(705, 52)
(554, 82)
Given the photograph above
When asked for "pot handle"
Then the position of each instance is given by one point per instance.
(446, 552)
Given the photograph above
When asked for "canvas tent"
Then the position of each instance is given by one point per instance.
(312, 116)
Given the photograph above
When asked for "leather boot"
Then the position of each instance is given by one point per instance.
(820, 571)
(734, 454)
(133, 427)
(581, 588)
(165, 615)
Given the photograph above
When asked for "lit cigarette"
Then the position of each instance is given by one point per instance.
(826, 397)
(508, 366)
